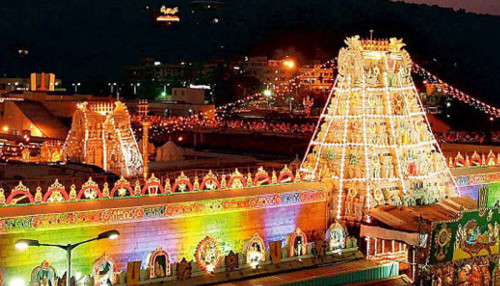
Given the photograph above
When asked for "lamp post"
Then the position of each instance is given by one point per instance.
(111, 86)
(135, 85)
(76, 85)
(22, 244)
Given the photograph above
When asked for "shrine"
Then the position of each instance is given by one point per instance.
(373, 139)
(101, 135)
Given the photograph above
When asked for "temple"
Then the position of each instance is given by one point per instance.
(374, 197)
(373, 138)
(101, 135)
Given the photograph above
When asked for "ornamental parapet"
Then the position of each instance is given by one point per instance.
(123, 188)
(474, 160)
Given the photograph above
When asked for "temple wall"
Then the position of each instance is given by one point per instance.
(178, 235)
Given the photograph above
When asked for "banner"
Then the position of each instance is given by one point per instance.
(473, 234)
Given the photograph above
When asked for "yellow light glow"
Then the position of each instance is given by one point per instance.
(289, 63)
(17, 282)
(5, 128)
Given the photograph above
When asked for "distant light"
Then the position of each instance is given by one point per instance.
(5, 128)
(448, 104)
(17, 282)
(179, 139)
(199, 86)
(491, 118)
(157, 63)
(113, 236)
(267, 92)
(289, 63)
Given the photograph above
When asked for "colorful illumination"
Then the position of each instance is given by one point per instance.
(373, 138)
(179, 228)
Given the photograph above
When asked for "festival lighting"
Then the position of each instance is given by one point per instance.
(373, 138)
(458, 94)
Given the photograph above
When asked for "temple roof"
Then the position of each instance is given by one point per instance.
(50, 125)
(409, 218)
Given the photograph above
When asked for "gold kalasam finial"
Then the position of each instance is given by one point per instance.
(353, 42)
(395, 44)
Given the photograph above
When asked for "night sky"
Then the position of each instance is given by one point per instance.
(93, 41)
(491, 7)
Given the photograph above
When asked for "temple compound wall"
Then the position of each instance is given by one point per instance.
(202, 227)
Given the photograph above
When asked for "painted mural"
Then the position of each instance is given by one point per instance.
(473, 234)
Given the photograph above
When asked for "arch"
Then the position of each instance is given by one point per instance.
(104, 270)
(255, 250)
(152, 186)
(159, 264)
(297, 243)
(475, 160)
(122, 186)
(236, 180)
(286, 176)
(89, 190)
(44, 274)
(208, 254)
(210, 182)
(19, 193)
(261, 178)
(56, 193)
(336, 236)
(182, 182)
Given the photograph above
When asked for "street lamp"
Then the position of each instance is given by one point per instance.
(135, 85)
(23, 244)
(111, 85)
(76, 85)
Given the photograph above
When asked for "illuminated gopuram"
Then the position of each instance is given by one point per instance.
(373, 139)
(101, 135)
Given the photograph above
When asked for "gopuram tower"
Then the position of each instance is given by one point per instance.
(373, 139)
(101, 135)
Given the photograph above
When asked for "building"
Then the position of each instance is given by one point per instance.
(374, 140)
(270, 72)
(40, 113)
(101, 135)
(189, 95)
(434, 98)
(315, 77)
(151, 70)
(37, 81)
(34, 118)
